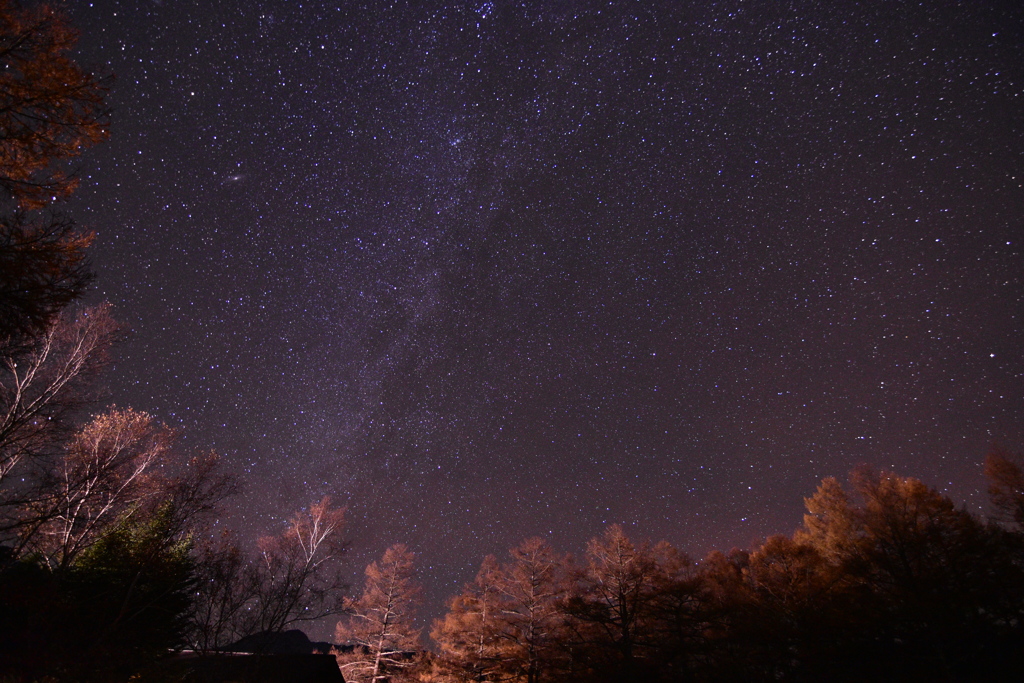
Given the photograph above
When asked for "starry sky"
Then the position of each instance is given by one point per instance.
(484, 270)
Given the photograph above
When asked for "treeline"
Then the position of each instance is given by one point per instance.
(885, 580)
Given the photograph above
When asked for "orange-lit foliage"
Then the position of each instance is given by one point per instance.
(508, 624)
(886, 580)
(381, 626)
(466, 635)
(51, 109)
(1006, 485)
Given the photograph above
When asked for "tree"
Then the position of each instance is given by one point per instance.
(51, 109)
(829, 525)
(531, 589)
(104, 475)
(295, 576)
(467, 635)
(680, 614)
(931, 583)
(43, 269)
(1006, 486)
(193, 489)
(223, 590)
(612, 608)
(508, 625)
(380, 627)
(40, 388)
(797, 612)
(119, 607)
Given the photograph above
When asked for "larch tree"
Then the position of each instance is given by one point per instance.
(529, 623)
(380, 627)
(467, 636)
(51, 110)
(829, 524)
(615, 583)
(508, 624)
(678, 612)
(927, 581)
(43, 269)
(1006, 486)
(611, 608)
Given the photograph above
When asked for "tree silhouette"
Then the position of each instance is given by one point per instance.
(51, 110)
(43, 269)
(295, 576)
(613, 608)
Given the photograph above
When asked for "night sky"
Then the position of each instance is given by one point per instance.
(487, 270)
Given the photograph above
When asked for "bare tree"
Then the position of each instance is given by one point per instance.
(40, 386)
(193, 490)
(223, 590)
(296, 576)
(381, 624)
(104, 474)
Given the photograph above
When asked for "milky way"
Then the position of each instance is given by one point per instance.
(488, 270)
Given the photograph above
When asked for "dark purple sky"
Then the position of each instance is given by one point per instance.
(487, 270)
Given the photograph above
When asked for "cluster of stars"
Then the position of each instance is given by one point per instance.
(495, 269)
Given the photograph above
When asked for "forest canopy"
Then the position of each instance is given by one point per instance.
(886, 579)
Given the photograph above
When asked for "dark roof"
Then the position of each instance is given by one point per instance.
(247, 668)
(293, 642)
